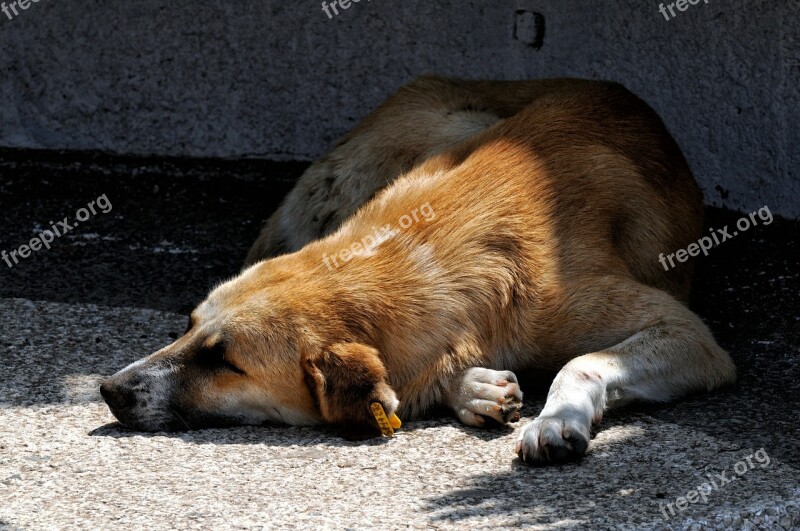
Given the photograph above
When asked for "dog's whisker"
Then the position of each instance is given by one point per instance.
(175, 413)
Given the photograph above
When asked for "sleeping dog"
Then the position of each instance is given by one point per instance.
(464, 230)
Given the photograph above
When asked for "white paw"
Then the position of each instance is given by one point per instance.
(485, 397)
(554, 438)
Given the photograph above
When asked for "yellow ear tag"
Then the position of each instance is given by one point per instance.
(386, 424)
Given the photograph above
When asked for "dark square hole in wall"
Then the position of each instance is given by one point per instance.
(529, 28)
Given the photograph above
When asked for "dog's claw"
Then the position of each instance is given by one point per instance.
(486, 397)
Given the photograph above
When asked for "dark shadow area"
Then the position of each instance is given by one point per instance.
(176, 226)
(282, 435)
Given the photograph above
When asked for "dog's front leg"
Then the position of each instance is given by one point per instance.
(485, 397)
(671, 354)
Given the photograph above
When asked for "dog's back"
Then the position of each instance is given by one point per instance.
(594, 124)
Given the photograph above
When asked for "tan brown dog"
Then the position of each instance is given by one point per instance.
(462, 231)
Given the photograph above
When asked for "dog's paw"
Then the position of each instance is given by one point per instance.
(485, 397)
(557, 438)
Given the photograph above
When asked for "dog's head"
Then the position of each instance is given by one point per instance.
(262, 348)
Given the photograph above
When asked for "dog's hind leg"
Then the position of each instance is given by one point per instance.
(668, 353)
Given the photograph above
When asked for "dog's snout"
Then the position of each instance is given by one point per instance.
(115, 395)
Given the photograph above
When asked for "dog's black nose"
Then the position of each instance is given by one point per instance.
(115, 395)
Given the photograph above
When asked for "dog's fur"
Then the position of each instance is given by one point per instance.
(553, 200)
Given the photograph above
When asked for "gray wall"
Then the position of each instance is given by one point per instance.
(278, 79)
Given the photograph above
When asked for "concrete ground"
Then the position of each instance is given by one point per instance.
(119, 286)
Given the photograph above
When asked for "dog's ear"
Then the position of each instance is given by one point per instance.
(344, 380)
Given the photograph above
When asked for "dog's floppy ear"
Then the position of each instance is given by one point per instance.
(344, 380)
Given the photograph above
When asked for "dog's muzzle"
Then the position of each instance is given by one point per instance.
(139, 397)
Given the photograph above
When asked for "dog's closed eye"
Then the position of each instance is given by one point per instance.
(212, 355)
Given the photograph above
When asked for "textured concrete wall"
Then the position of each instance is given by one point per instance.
(279, 79)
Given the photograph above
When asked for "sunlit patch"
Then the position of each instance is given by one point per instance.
(616, 435)
(79, 388)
